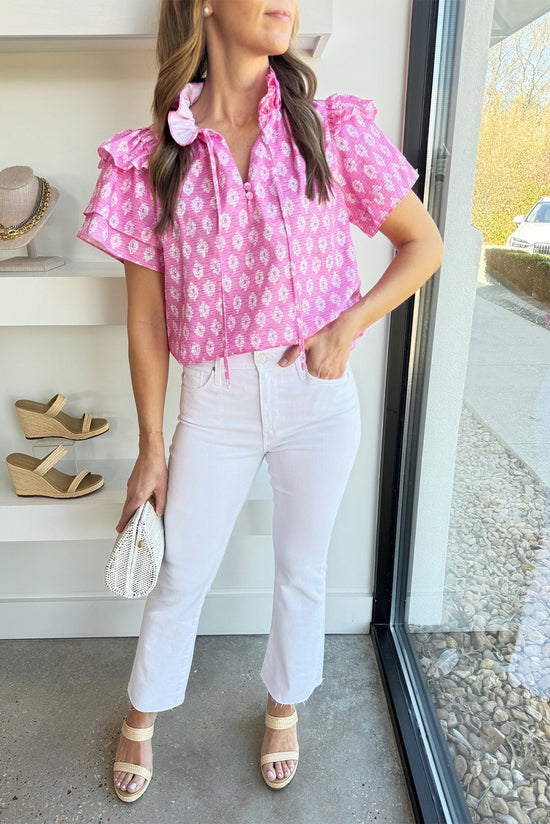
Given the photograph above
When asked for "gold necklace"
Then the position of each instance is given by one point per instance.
(35, 216)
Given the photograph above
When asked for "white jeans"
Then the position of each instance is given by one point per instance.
(308, 429)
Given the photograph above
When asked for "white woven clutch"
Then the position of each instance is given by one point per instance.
(133, 567)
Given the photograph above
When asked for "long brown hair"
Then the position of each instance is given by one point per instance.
(182, 59)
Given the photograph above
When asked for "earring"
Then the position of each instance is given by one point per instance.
(206, 11)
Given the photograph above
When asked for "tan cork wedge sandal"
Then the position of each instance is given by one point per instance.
(32, 476)
(275, 723)
(134, 734)
(46, 420)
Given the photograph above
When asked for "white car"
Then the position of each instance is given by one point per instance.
(533, 230)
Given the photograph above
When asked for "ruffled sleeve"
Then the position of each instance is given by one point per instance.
(372, 172)
(121, 214)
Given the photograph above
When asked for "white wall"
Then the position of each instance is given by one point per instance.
(453, 310)
(367, 55)
(61, 105)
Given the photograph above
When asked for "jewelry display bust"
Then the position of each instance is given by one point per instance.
(26, 202)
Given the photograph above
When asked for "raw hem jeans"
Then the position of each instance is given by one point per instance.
(308, 429)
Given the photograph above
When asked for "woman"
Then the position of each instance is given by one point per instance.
(232, 217)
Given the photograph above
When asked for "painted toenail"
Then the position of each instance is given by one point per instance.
(132, 786)
(270, 775)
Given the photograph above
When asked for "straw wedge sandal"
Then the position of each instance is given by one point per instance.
(275, 723)
(46, 420)
(134, 734)
(32, 476)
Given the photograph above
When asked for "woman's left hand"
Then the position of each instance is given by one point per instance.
(327, 351)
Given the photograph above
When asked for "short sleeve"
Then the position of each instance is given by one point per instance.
(121, 214)
(372, 172)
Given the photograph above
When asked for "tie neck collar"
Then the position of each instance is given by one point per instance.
(181, 121)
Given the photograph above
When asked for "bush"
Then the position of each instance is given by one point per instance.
(522, 273)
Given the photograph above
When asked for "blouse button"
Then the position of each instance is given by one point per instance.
(247, 186)
(249, 195)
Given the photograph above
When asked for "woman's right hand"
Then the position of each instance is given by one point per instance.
(149, 477)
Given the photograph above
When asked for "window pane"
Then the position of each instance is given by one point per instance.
(478, 605)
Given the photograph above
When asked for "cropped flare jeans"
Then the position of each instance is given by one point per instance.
(308, 429)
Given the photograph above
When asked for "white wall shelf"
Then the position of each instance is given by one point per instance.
(24, 518)
(65, 18)
(32, 25)
(77, 294)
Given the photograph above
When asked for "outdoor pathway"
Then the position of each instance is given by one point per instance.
(508, 379)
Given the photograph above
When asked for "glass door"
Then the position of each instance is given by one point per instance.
(462, 599)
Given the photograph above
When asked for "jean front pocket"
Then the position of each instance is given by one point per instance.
(329, 381)
(197, 375)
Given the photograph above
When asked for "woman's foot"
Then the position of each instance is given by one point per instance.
(279, 741)
(134, 752)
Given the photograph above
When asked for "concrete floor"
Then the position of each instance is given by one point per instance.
(62, 706)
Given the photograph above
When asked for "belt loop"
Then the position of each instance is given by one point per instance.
(218, 371)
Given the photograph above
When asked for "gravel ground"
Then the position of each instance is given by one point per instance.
(488, 665)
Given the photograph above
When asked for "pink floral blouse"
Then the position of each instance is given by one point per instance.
(249, 264)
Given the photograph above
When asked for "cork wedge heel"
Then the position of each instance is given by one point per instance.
(32, 476)
(275, 723)
(46, 420)
(134, 734)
